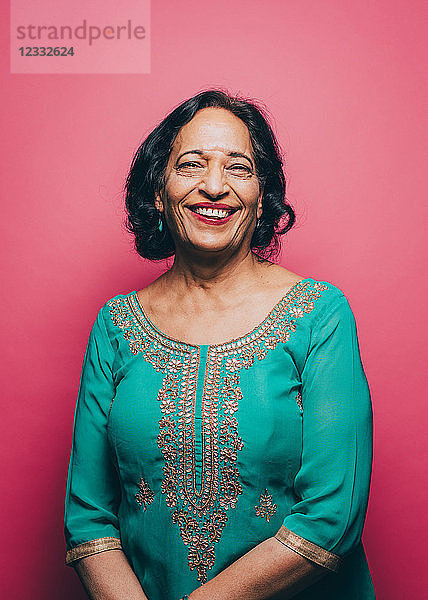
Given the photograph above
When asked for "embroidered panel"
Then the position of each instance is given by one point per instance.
(266, 508)
(199, 508)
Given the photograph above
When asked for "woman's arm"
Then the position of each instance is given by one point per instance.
(91, 522)
(267, 569)
(109, 576)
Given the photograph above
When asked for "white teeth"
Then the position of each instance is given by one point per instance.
(212, 212)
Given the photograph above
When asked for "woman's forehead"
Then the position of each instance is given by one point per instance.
(213, 129)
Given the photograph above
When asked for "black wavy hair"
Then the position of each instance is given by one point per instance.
(146, 177)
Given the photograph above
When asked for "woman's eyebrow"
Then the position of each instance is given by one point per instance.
(232, 153)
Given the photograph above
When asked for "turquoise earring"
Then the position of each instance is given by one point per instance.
(160, 226)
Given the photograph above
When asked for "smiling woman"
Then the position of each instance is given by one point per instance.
(222, 436)
(239, 150)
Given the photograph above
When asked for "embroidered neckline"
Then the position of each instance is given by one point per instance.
(242, 340)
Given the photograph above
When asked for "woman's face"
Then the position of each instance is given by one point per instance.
(212, 197)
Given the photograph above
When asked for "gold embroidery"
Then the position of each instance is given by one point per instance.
(320, 286)
(145, 495)
(200, 538)
(265, 508)
(201, 498)
(299, 401)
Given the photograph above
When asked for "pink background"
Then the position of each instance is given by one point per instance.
(344, 83)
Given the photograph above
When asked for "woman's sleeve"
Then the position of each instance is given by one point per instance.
(93, 491)
(333, 481)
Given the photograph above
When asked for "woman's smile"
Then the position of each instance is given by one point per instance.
(212, 213)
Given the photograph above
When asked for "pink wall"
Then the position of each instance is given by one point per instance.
(344, 83)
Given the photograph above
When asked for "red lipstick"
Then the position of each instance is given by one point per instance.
(212, 220)
(212, 205)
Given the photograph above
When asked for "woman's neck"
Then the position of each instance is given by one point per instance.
(205, 273)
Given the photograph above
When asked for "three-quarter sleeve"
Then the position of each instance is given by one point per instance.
(93, 491)
(333, 481)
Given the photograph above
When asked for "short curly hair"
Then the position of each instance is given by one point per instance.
(146, 177)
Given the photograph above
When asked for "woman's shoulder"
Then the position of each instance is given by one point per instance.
(308, 300)
(327, 290)
(316, 298)
(117, 297)
(328, 300)
(117, 304)
(304, 287)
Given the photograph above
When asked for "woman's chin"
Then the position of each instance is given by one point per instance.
(210, 239)
(208, 246)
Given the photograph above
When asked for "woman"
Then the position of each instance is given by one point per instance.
(222, 435)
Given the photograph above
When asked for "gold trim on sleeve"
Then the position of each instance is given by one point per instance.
(92, 547)
(309, 550)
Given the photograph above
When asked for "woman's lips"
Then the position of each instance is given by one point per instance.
(214, 219)
(211, 220)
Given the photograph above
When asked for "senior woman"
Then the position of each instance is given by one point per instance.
(222, 434)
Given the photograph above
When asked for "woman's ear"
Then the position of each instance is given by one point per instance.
(260, 206)
(159, 203)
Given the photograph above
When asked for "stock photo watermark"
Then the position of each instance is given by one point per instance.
(64, 37)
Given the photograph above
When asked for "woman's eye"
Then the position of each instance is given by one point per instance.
(241, 169)
(189, 164)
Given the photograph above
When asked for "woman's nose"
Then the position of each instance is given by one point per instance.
(213, 182)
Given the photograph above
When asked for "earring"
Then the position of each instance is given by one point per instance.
(160, 226)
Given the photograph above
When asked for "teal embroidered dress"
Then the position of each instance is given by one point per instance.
(187, 456)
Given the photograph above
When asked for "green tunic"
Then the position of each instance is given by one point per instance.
(187, 456)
